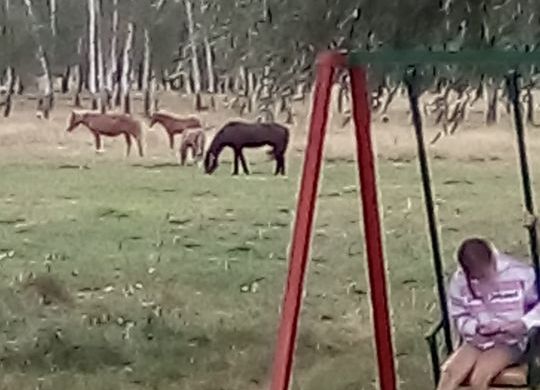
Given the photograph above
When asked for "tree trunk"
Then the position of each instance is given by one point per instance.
(195, 68)
(126, 69)
(102, 99)
(52, 11)
(389, 98)
(210, 66)
(65, 80)
(146, 73)
(92, 51)
(530, 105)
(43, 61)
(10, 90)
(112, 67)
(254, 90)
(80, 79)
(491, 113)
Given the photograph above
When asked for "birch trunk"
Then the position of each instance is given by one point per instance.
(112, 67)
(92, 50)
(210, 66)
(79, 71)
(102, 97)
(43, 61)
(126, 69)
(147, 61)
(491, 113)
(195, 68)
(10, 90)
(52, 11)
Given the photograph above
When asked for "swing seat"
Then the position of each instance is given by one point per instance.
(512, 377)
(524, 375)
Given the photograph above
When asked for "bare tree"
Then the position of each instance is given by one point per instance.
(112, 67)
(195, 68)
(146, 74)
(52, 12)
(126, 68)
(92, 51)
(45, 103)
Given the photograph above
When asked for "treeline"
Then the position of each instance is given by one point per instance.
(259, 53)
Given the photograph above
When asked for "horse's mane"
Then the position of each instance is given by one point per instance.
(162, 114)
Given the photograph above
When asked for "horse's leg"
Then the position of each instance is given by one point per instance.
(171, 140)
(277, 157)
(97, 138)
(128, 142)
(244, 163)
(139, 145)
(183, 155)
(280, 164)
(193, 154)
(236, 157)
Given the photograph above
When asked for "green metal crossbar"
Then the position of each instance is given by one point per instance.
(418, 57)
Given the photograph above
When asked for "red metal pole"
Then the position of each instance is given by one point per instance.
(301, 239)
(372, 231)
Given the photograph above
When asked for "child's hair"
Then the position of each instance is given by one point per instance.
(473, 248)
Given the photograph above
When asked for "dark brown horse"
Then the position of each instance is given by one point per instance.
(174, 125)
(110, 125)
(194, 140)
(239, 135)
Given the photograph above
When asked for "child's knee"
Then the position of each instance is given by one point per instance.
(479, 381)
(451, 376)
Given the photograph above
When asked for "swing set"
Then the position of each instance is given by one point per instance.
(522, 376)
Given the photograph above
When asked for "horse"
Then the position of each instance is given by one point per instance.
(174, 125)
(110, 125)
(196, 140)
(239, 135)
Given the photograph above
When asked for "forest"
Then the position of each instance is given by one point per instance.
(259, 54)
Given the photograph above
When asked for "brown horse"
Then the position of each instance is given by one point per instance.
(194, 140)
(239, 135)
(174, 125)
(110, 125)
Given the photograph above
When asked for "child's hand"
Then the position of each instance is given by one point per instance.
(489, 329)
(516, 328)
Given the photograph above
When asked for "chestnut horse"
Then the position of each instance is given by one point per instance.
(194, 140)
(110, 125)
(174, 125)
(239, 135)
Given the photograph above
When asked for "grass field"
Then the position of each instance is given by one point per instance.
(160, 277)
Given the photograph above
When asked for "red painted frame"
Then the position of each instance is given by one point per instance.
(327, 63)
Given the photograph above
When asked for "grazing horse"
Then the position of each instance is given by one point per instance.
(239, 135)
(174, 125)
(110, 125)
(194, 140)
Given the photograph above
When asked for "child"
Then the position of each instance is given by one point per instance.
(494, 304)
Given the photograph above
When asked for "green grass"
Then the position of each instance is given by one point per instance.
(170, 252)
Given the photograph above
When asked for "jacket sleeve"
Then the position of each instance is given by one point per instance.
(532, 318)
(459, 311)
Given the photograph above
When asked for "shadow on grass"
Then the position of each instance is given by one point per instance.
(157, 165)
(51, 353)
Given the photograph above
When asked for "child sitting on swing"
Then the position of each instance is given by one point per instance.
(494, 304)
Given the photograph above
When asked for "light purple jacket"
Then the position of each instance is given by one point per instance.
(511, 297)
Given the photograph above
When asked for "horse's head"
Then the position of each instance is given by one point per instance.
(74, 120)
(210, 162)
(153, 120)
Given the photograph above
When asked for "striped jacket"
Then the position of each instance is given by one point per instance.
(511, 297)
